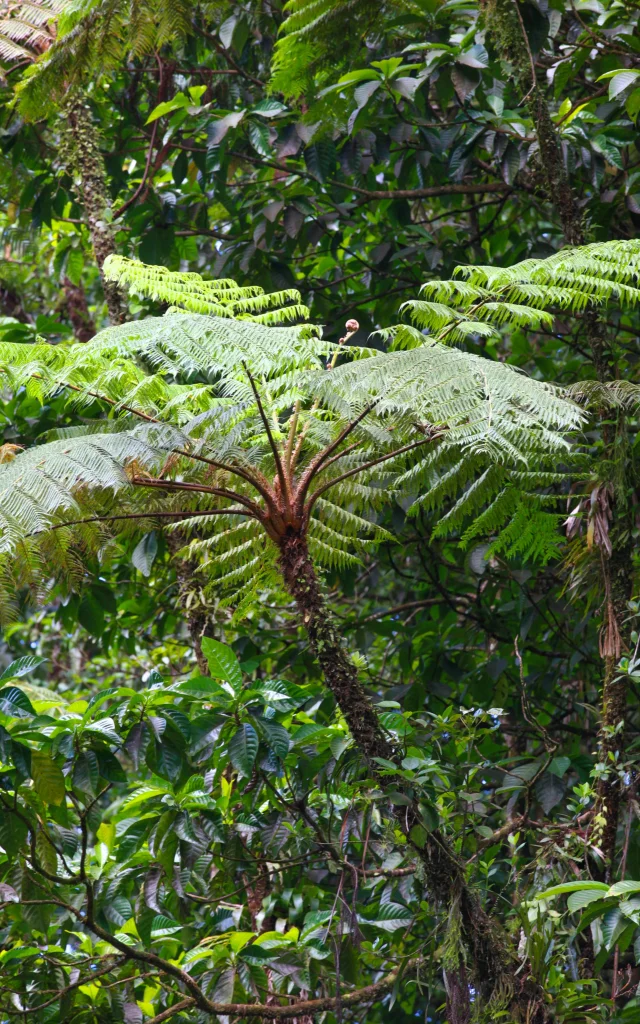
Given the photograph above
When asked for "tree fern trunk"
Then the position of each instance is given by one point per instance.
(480, 954)
(78, 311)
(506, 30)
(339, 671)
(82, 153)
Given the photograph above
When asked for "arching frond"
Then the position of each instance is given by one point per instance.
(191, 292)
(237, 432)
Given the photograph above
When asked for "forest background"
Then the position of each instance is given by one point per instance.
(193, 829)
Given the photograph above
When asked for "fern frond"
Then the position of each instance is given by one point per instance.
(206, 414)
(191, 292)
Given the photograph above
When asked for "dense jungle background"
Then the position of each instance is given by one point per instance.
(268, 753)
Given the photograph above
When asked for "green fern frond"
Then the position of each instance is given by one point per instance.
(317, 34)
(531, 534)
(607, 394)
(191, 292)
(196, 404)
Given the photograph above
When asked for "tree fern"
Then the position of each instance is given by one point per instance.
(319, 33)
(25, 29)
(240, 428)
(482, 300)
(90, 36)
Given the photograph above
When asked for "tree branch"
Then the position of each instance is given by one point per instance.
(172, 1010)
(68, 988)
(151, 515)
(307, 1007)
(145, 175)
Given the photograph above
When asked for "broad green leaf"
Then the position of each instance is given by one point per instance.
(218, 129)
(21, 667)
(48, 779)
(559, 766)
(168, 106)
(243, 749)
(144, 553)
(15, 702)
(559, 890)
(277, 737)
(203, 687)
(279, 694)
(582, 898)
(622, 888)
(475, 57)
(222, 662)
(13, 833)
(269, 108)
(390, 917)
(613, 924)
(162, 926)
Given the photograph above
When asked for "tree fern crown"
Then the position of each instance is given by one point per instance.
(229, 421)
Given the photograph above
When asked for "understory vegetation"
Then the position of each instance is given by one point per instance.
(320, 407)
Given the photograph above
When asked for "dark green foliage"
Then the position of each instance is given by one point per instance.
(273, 166)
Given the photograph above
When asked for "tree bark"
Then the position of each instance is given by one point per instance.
(480, 953)
(324, 637)
(11, 304)
(81, 151)
(75, 299)
(507, 31)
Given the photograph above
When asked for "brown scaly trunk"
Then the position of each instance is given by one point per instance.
(324, 636)
(81, 152)
(75, 300)
(507, 31)
(480, 952)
